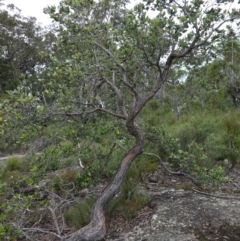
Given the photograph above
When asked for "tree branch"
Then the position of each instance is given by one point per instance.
(179, 173)
(124, 79)
(90, 112)
(211, 33)
(111, 55)
(213, 195)
(42, 231)
(119, 95)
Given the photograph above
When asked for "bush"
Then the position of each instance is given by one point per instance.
(13, 164)
(160, 139)
(49, 160)
(87, 176)
(128, 202)
(80, 214)
(193, 160)
(217, 173)
(231, 124)
(215, 147)
(143, 164)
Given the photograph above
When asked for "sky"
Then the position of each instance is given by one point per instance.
(34, 8)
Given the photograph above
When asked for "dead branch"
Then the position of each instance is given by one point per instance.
(121, 146)
(214, 195)
(178, 173)
(42, 231)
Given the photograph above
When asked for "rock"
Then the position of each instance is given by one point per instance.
(44, 182)
(224, 188)
(187, 216)
(83, 192)
(153, 179)
(237, 179)
(236, 190)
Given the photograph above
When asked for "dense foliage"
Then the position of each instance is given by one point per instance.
(71, 97)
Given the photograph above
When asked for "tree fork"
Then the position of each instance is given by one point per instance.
(96, 229)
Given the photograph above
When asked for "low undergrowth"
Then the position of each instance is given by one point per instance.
(126, 204)
(203, 145)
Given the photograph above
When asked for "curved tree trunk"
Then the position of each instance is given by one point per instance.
(96, 229)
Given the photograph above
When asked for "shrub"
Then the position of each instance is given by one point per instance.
(89, 175)
(128, 202)
(49, 160)
(144, 164)
(231, 124)
(217, 173)
(79, 215)
(13, 164)
(215, 146)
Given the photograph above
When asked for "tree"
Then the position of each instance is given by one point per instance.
(219, 77)
(226, 66)
(115, 60)
(25, 51)
(22, 44)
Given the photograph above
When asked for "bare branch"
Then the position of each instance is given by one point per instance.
(121, 146)
(124, 80)
(92, 111)
(119, 95)
(218, 196)
(42, 231)
(111, 55)
(163, 76)
(147, 57)
(174, 54)
(26, 236)
(52, 210)
(179, 173)
(211, 33)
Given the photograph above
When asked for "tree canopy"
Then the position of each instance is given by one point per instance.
(23, 43)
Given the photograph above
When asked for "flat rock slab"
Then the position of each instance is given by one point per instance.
(188, 216)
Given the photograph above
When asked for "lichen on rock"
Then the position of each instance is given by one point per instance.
(187, 216)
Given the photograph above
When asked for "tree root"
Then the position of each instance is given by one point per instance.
(217, 196)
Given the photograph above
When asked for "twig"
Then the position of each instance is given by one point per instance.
(42, 231)
(179, 173)
(235, 184)
(121, 146)
(218, 196)
(105, 163)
